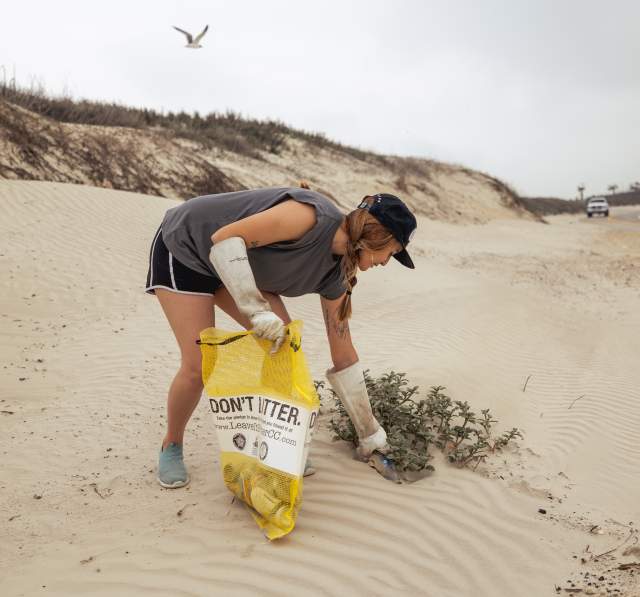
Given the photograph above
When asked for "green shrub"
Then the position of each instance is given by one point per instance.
(413, 425)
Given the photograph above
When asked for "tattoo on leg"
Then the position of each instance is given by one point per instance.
(254, 244)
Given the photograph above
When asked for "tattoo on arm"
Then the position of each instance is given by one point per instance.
(253, 244)
(333, 324)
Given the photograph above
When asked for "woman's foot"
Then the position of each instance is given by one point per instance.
(171, 470)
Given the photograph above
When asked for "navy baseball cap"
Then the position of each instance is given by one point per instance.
(394, 215)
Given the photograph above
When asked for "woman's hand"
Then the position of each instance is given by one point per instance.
(349, 385)
(266, 324)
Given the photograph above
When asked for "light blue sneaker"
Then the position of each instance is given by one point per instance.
(171, 470)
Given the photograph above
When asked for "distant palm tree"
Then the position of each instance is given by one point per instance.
(612, 188)
(581, 189)
(634, 186)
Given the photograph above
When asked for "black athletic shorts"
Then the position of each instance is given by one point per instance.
(165, 271)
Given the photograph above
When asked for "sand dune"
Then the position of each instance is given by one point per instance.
(158, 162)
(87, 358)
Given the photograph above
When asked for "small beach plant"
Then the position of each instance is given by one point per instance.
(414, 425)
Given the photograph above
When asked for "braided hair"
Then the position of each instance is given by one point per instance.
(363, 232)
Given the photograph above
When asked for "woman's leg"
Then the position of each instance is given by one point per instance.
(188, 314)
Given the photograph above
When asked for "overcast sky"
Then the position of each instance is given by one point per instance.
(544, 94)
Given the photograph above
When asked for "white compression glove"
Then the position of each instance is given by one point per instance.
(229, 258)
(349, 385)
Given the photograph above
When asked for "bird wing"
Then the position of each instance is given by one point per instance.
(189, 36)
(201, 35)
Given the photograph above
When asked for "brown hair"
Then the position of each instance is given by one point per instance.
(364, 232)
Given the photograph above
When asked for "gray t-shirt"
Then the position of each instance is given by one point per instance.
(289, 268)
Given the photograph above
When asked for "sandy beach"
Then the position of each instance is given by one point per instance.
(87, 358)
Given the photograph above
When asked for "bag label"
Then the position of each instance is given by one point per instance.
(271, 430)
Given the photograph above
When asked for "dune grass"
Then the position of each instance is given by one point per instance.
(230, 130)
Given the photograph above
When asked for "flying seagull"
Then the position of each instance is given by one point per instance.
(193, 43)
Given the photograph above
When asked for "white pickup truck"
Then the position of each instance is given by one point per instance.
(597, 205)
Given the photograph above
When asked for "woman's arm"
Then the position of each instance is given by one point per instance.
(343, 354)
(347, 381)
(288, 220)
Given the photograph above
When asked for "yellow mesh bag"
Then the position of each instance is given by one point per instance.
(265, 408)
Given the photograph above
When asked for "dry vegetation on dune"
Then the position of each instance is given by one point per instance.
(182, 155)
(229, 131)
(550, 206)
(40, 148)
